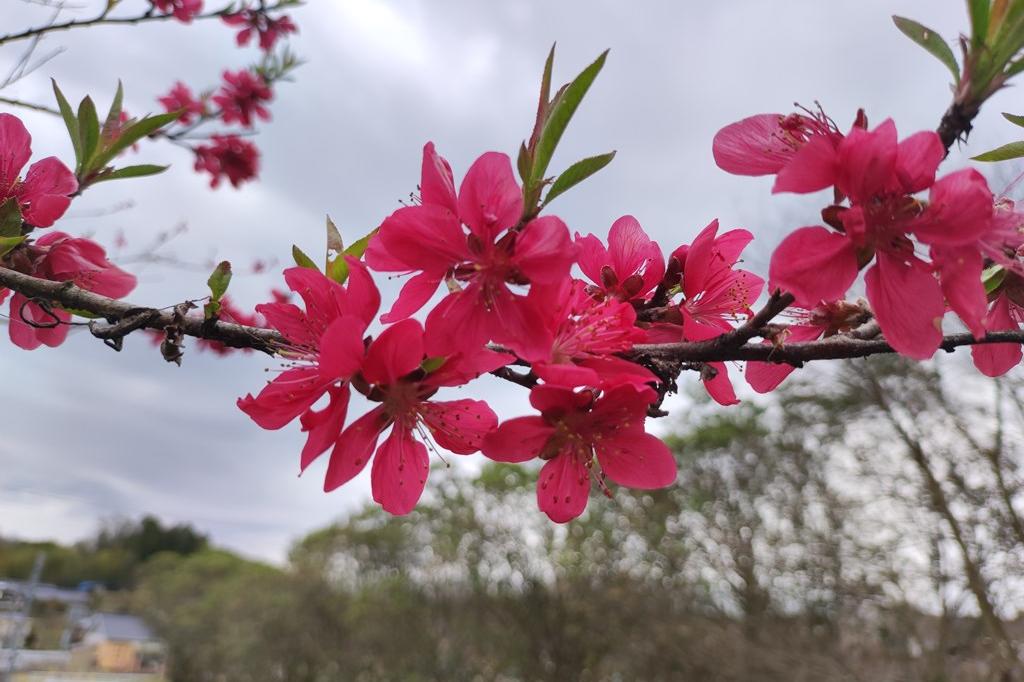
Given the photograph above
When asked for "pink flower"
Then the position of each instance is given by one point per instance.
(268, 28)
(582, 435)
(242, 96)
(44, 193)
(325, 351)
(183, 10)
(180, 98)
(715, 296)
(632, 265)
(61, 258)
(996, 359)
(392, 374)
(583, 335)
(877, 174)
(479, 262)
(228, 156)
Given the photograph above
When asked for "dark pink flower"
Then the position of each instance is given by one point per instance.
(582, 435)
(183, 10)
(632, 265)
(582, 337)
(325, 351)
(265, 26)
(242, 96)
(61, 258)
(766, 144)
(392, 374)
(44, 193)
(479, 261)
(180, 98)
(228, 156)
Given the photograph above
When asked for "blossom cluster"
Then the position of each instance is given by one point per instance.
(242, 97)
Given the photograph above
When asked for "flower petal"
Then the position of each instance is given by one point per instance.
(436, 183)
(637, 460)
(996, 359)
(293, 392)
(563, 487)
(753, 146)
(490, 200)
(814, 264)
(354, 448)
(517, 440)
(908, 305)
(544, 252)
(813, 167)
(459, 425)
(399, 472)
(15, 150)
(397, 351)
(323, 426)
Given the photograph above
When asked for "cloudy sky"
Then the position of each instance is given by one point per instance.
(90, 434)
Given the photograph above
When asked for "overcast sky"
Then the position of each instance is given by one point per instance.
(91, 434)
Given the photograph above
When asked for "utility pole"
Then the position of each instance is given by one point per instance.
(23, 615)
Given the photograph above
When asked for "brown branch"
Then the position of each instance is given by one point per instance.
(956, 123)
(67, 295)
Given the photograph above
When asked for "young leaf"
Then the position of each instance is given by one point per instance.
(979, 21)
(302, 260)
(334, 240)
(338, 268)
(10, 218)
(561, 112)
(88, 132)
(69, 121)
(544, 101)
(132, 134)
(218, 282)
(1014, 119)
(139, 171)
(1013, 150)
(930, 41)
(8, 243)
(113, 120)
(577, 173)
(992, 277)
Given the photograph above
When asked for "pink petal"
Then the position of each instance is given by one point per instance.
(960, 271)
(908, 305)
(566, 374)
(463, 367)
(293, 392)
(396, 352)
(399, 472)
(436, 184)
(764, 377)
(45, 190)
(289, 319)
(543, 251)
(867, 161)
(918, 158)
(490, 200)
(614, 371)
(814, 167)
(699, 260)
(520, 326)
(459, 425)
(637, 461)
(414, 295)
(426, 237)
(720, 387)
(517, 440)
(324, 426)
(324, 298)
(814, 264)
(354, 448)
(632, 250)
(28, 337)
(752, 146)
(460, 322)
(959, 212)
(996, 359)
(592, 256)
(341, 348)
(558, 400)
(563, 487)
(15, 150)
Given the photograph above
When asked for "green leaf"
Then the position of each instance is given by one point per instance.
(544, 100)
(561, 112)
(1014, 119)
(8, 243)
(113, 120)
(523, 163)
(930, 41)
(1014, 68)
(69, 120)
(337, 269)
(993, 277)
(132, 134)
(10, 218)
(432, 364)
(139, 171)
(1014, 150)
(979, 20)
(88, 132)
(218, 282)
(577, 173)
(302, 260)
(358, 247)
